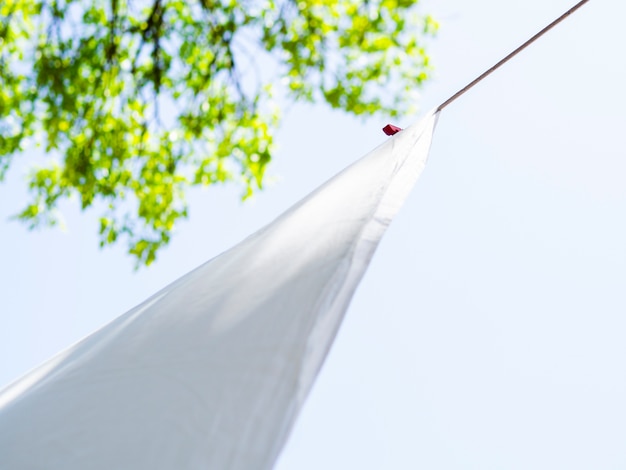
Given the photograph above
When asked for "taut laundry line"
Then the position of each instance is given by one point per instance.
(511, 55)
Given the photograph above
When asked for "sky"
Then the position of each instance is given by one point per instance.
(489, 329)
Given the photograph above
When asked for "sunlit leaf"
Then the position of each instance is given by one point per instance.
(138, 101)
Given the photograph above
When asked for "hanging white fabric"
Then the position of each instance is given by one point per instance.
(210, 372)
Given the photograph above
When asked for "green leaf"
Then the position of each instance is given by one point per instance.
(137, 102)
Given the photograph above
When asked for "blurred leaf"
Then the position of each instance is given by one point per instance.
(138, 101)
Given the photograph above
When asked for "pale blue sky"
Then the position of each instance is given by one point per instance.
(489, 330)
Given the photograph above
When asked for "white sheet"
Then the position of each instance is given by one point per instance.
(211, 371)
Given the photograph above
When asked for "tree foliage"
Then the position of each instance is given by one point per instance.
(137, 100)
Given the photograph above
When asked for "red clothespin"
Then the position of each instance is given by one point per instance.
(390, 129)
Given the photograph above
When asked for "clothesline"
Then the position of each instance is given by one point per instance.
(511, 55)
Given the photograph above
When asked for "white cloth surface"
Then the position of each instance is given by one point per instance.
(210, 372)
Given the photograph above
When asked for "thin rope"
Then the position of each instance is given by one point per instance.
(511, 55)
